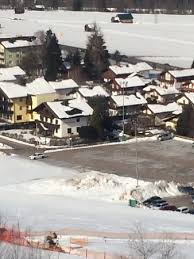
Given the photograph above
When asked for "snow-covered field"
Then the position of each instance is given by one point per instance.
(170, 38)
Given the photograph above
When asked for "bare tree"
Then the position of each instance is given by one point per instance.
(145, 249)
(140, 246)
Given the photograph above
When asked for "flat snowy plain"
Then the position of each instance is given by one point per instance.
(171, 39)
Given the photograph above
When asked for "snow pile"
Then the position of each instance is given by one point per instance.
(99, 186)
(4, 146)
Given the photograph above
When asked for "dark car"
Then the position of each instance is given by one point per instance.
(191, 211)
(151, 200)
(186, 189)
(169, 207)
(165, 136)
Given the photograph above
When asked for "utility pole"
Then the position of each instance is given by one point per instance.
(123, 110)
(136, 155)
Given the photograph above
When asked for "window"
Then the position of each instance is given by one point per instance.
(78, 128)
(19, 117)
(20, 108)
(69, 131)
(56, 130)
(78, 119)
(56, 122)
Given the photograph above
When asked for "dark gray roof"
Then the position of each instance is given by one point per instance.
(125, 16)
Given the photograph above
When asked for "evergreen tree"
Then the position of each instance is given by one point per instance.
(117, 56)
(52, 59)
(97, 56)
(100, 117)
(185, 123)
(76, 59)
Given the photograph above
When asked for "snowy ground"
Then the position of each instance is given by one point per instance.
(121, 246)
(10, 251)
(170, 38)
(4, 146)
(98, 186)
(27, 135)
(41, 211)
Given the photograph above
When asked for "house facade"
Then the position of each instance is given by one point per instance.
(63, 119)
(129, 85)
(14, 102)
(161, 95)
(186, 99)
(176, 78)
(40, 91)
(131, 105)
(65, 89)
(13, 50)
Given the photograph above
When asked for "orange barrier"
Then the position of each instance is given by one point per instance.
(79, 241)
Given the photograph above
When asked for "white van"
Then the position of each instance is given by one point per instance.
(183, 209)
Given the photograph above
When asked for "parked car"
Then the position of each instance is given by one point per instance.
(191, 211)
(183, 210)
(151, 200)
(90, 27)
(166, 136)
(169, 207)
(186, 189)
(159, 206)
(36, 156)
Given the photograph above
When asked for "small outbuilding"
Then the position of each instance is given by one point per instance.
(123, 18)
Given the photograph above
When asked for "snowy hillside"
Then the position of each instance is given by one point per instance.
(34, 193)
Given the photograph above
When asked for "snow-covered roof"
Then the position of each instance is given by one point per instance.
(12, 90)
(87, 92)
(74, 108)
(18, 44)
(64, 84)
(129, 68)
(129, 82)
(39, 6)
(10, 73)
(128, 100)
(161, 90)
(39, 86)
(190, 96)
(171, 108)
(182, 73)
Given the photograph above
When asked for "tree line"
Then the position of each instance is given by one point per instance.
(102, 5)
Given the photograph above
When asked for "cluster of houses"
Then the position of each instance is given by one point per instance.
(60, 108)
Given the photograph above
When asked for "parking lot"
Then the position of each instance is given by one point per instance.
(167, 160)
